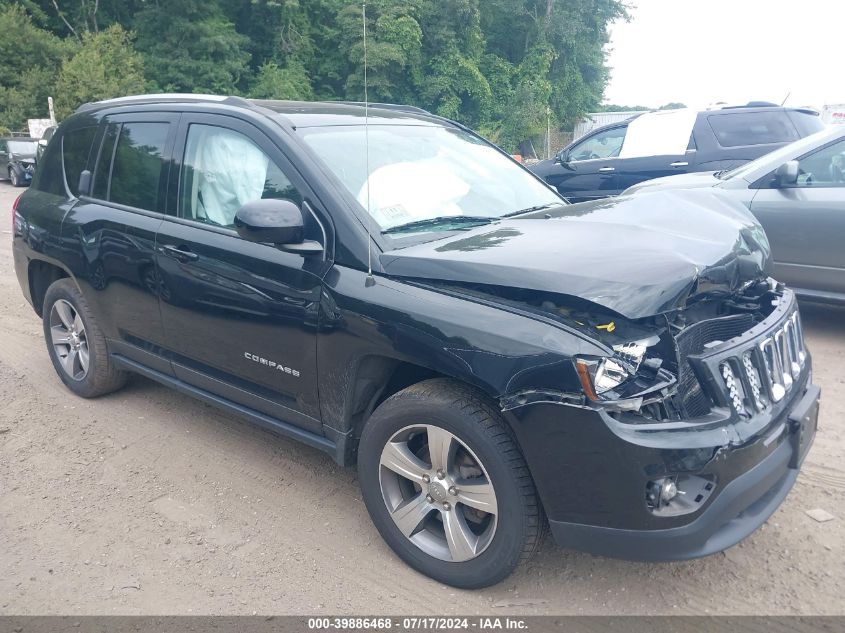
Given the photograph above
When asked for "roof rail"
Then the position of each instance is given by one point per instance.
(389, 106)
(171, 96)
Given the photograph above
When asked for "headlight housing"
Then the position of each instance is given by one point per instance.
(601, 375)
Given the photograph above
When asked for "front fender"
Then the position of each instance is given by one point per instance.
(497, 350)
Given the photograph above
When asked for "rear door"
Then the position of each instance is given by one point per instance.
(588, 170)
(240, 317)
(806, 222)
(112, 228)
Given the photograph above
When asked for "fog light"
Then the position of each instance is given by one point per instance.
(661, 491)
(668, 491)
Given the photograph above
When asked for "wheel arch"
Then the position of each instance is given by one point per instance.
(41, 275)
(376, 379)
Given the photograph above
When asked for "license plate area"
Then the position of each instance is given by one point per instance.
(803, 422)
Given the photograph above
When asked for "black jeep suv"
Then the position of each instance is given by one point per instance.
(393, 290)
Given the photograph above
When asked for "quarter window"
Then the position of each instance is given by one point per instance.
(76, 146)
(223, 170)
(752, 128)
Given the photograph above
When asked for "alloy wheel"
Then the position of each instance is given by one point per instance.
(438, 493)
(67, 335)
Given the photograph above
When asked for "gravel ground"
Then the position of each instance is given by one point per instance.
(148, 502)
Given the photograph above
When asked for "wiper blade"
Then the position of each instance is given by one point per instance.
(441, 221)
(538, 207)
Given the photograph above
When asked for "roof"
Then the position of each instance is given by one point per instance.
(297, 113)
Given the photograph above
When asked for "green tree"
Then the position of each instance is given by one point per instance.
(191, 46)
(105, 66)
(273, 82)
(29, 57)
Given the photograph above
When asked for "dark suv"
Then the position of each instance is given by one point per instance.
(493, 359)
(17, 159)
(614, 157)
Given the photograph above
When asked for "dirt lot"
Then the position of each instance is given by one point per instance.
(148, 502)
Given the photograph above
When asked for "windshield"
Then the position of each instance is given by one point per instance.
(775, 159)
(424, 172)
(22, 147)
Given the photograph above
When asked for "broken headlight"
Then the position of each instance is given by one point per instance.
(602, 375)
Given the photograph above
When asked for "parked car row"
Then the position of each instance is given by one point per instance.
(656, 144)
(386, 286)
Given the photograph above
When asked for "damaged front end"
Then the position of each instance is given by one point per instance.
(669, 375)
(656, 368)
(690, 430)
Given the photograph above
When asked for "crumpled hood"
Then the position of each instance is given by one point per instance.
(637, 255)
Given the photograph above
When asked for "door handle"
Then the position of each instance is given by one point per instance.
(179, 253)
(680, 163)
(607, 169)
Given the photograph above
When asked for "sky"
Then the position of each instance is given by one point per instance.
(699, 52)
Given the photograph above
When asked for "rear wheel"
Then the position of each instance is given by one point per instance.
(76, 343)
(446, 485)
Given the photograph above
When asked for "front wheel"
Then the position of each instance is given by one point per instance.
(447, 486)
(13, 176)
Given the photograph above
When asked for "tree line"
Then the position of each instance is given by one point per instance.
(504, 67)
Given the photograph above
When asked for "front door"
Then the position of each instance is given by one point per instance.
(805, 222)
(588, 168)
(240, 317)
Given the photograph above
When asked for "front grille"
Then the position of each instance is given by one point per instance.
(693, 341)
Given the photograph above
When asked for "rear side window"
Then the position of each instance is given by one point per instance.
(76, 147)
(752, 128)
(135, 165)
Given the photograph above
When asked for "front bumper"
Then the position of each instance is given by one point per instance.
(592, 469)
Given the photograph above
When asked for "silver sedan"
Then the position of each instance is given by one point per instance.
(798, 195)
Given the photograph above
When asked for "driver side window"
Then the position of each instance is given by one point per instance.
(223, 170)
(823, 168)
(606, 144)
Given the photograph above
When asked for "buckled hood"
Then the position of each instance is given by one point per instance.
(638, 256)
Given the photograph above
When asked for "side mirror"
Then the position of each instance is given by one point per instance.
(787, 174)
(562, 157)
(273, 221)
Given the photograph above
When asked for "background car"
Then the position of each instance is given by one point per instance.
(668, 142)
(17, 158)
(798, 195)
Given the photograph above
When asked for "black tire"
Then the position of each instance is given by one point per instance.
(13, 176)
(476, 424)
(101, 376)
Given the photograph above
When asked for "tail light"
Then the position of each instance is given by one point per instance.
(14, 211)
